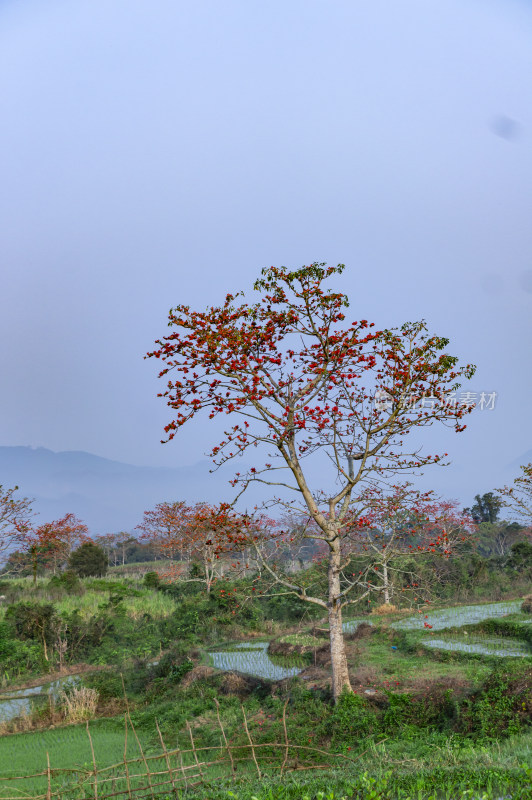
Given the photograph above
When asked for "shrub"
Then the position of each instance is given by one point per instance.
(17, 657)
(502, 706)
(351, 719)
(69, 581)
(152, 580)
(89, 560)
(108, 685)
(521, 556)
(31, 620)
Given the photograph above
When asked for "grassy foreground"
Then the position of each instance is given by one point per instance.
(422, 722)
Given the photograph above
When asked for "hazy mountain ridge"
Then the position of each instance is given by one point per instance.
(111, 496)
(107, 495)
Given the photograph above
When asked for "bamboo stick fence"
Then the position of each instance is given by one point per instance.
(171, 770)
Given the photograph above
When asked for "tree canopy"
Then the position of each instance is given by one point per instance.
(298, 382)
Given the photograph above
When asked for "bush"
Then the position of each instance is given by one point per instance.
(152, 580)
(89, 561)
(17, 657)
(32, 620)
(69, 581)
(502, 707)
(521, 556)
(107, 684)
(351, 719)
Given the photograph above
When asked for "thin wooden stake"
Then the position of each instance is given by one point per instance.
(49, 778)
(285, 739)
(225, 737)
(148, 773)
(166, 756)
(251, 742)
(128, 782)
(93, 764)
(183, 770)
(194, 748)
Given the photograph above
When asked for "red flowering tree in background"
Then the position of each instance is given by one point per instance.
(162, 527)
(451, 529)
(303, 384)
(518, 498)
(201, 534)
(406, 522)
(15, 520)
(391, 523)
(52, 543)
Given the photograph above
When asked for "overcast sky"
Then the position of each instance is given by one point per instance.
(159, 152)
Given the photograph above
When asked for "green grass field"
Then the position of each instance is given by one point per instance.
(68, 748)
(144, 601)
(389, 657)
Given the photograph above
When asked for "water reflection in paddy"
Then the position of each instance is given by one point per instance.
(489, 646)
(252, 658)
(23, 701)
(456, 617)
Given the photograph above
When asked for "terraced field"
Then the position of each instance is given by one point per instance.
(252, 657)
(457, 616)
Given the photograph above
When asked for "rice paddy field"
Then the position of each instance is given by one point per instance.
(483, 645)
(67, 748)
(252, 658)
(458, 616)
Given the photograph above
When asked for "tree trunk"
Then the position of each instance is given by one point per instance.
(386, 583)
(209, 576)
(340, 674)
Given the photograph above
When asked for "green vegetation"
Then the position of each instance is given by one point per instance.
(67, 747)
(88, 560)
(422, 722)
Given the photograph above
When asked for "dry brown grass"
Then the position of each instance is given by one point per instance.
(386, 608)
(79, 704)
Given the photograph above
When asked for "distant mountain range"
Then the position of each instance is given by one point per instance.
(107, 495)
(110, 496)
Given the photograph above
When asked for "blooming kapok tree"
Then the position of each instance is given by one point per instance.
(392, 522)
(15, 517)
(162, 527)
(519, 496)
(404, 522)
(53, 542)
(449, 529)
(200, 533)
(300, 383)
(385, 533)
(450, 532)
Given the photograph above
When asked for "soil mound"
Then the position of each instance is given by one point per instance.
(198, 673)
(239, 684)
(361, 632)
(527, 604)
(278, 648)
